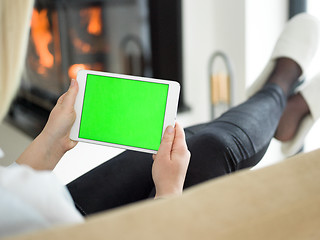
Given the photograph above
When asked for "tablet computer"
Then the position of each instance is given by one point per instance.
(124, 111)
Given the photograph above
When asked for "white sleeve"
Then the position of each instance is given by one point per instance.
(32, 200)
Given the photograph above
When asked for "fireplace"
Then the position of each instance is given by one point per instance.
(138, 37)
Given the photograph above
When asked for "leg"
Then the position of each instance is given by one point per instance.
(301, 113)
(236, 140)
(296, 110)
(241, 136)
(122, 180)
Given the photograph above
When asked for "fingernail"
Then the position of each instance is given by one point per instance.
(170, 129)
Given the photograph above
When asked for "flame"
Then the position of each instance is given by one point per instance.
(94, 26)
(73, 69)
(92, 16)
(41, 36)
(91, 20)
(79, 44)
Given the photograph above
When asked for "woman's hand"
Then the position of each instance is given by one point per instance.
(53, 142)
(61, 119)
(171, 163)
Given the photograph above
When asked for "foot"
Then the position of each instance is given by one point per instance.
(298, 41)
(301, 113)
(285, 73)
(295, 111)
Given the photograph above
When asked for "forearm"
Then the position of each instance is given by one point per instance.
(53, 142)
(41, 154)
(168, 193)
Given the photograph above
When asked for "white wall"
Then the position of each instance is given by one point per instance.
(198, 44)
(208, 26)
(229, 32)
(264, 22)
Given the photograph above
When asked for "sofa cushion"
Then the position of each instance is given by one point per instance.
(281, 201)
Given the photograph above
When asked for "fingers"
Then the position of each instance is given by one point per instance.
(179, 140)
(179, 131)
(69, 97)
(166, 143)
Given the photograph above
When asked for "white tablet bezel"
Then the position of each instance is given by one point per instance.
(169, 118)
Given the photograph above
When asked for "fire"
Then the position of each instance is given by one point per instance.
(73, 69)
(44, 38)
(41, 36)
(79, 44)
(94, 26)
(92, 16)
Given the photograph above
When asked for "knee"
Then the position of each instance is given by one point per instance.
(214, 139)
(208, 146)
(209, 158)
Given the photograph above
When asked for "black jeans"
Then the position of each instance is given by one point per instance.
(236, 140)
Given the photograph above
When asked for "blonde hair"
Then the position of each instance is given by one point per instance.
(15, 18)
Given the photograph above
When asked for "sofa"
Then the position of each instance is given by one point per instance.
(281, 201)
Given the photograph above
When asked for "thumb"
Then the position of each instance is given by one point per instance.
(69, 98)
(179, 139)
(166, 143)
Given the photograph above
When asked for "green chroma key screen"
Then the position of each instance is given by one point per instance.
(123, 111)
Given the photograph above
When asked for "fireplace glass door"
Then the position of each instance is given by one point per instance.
(66, 36)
